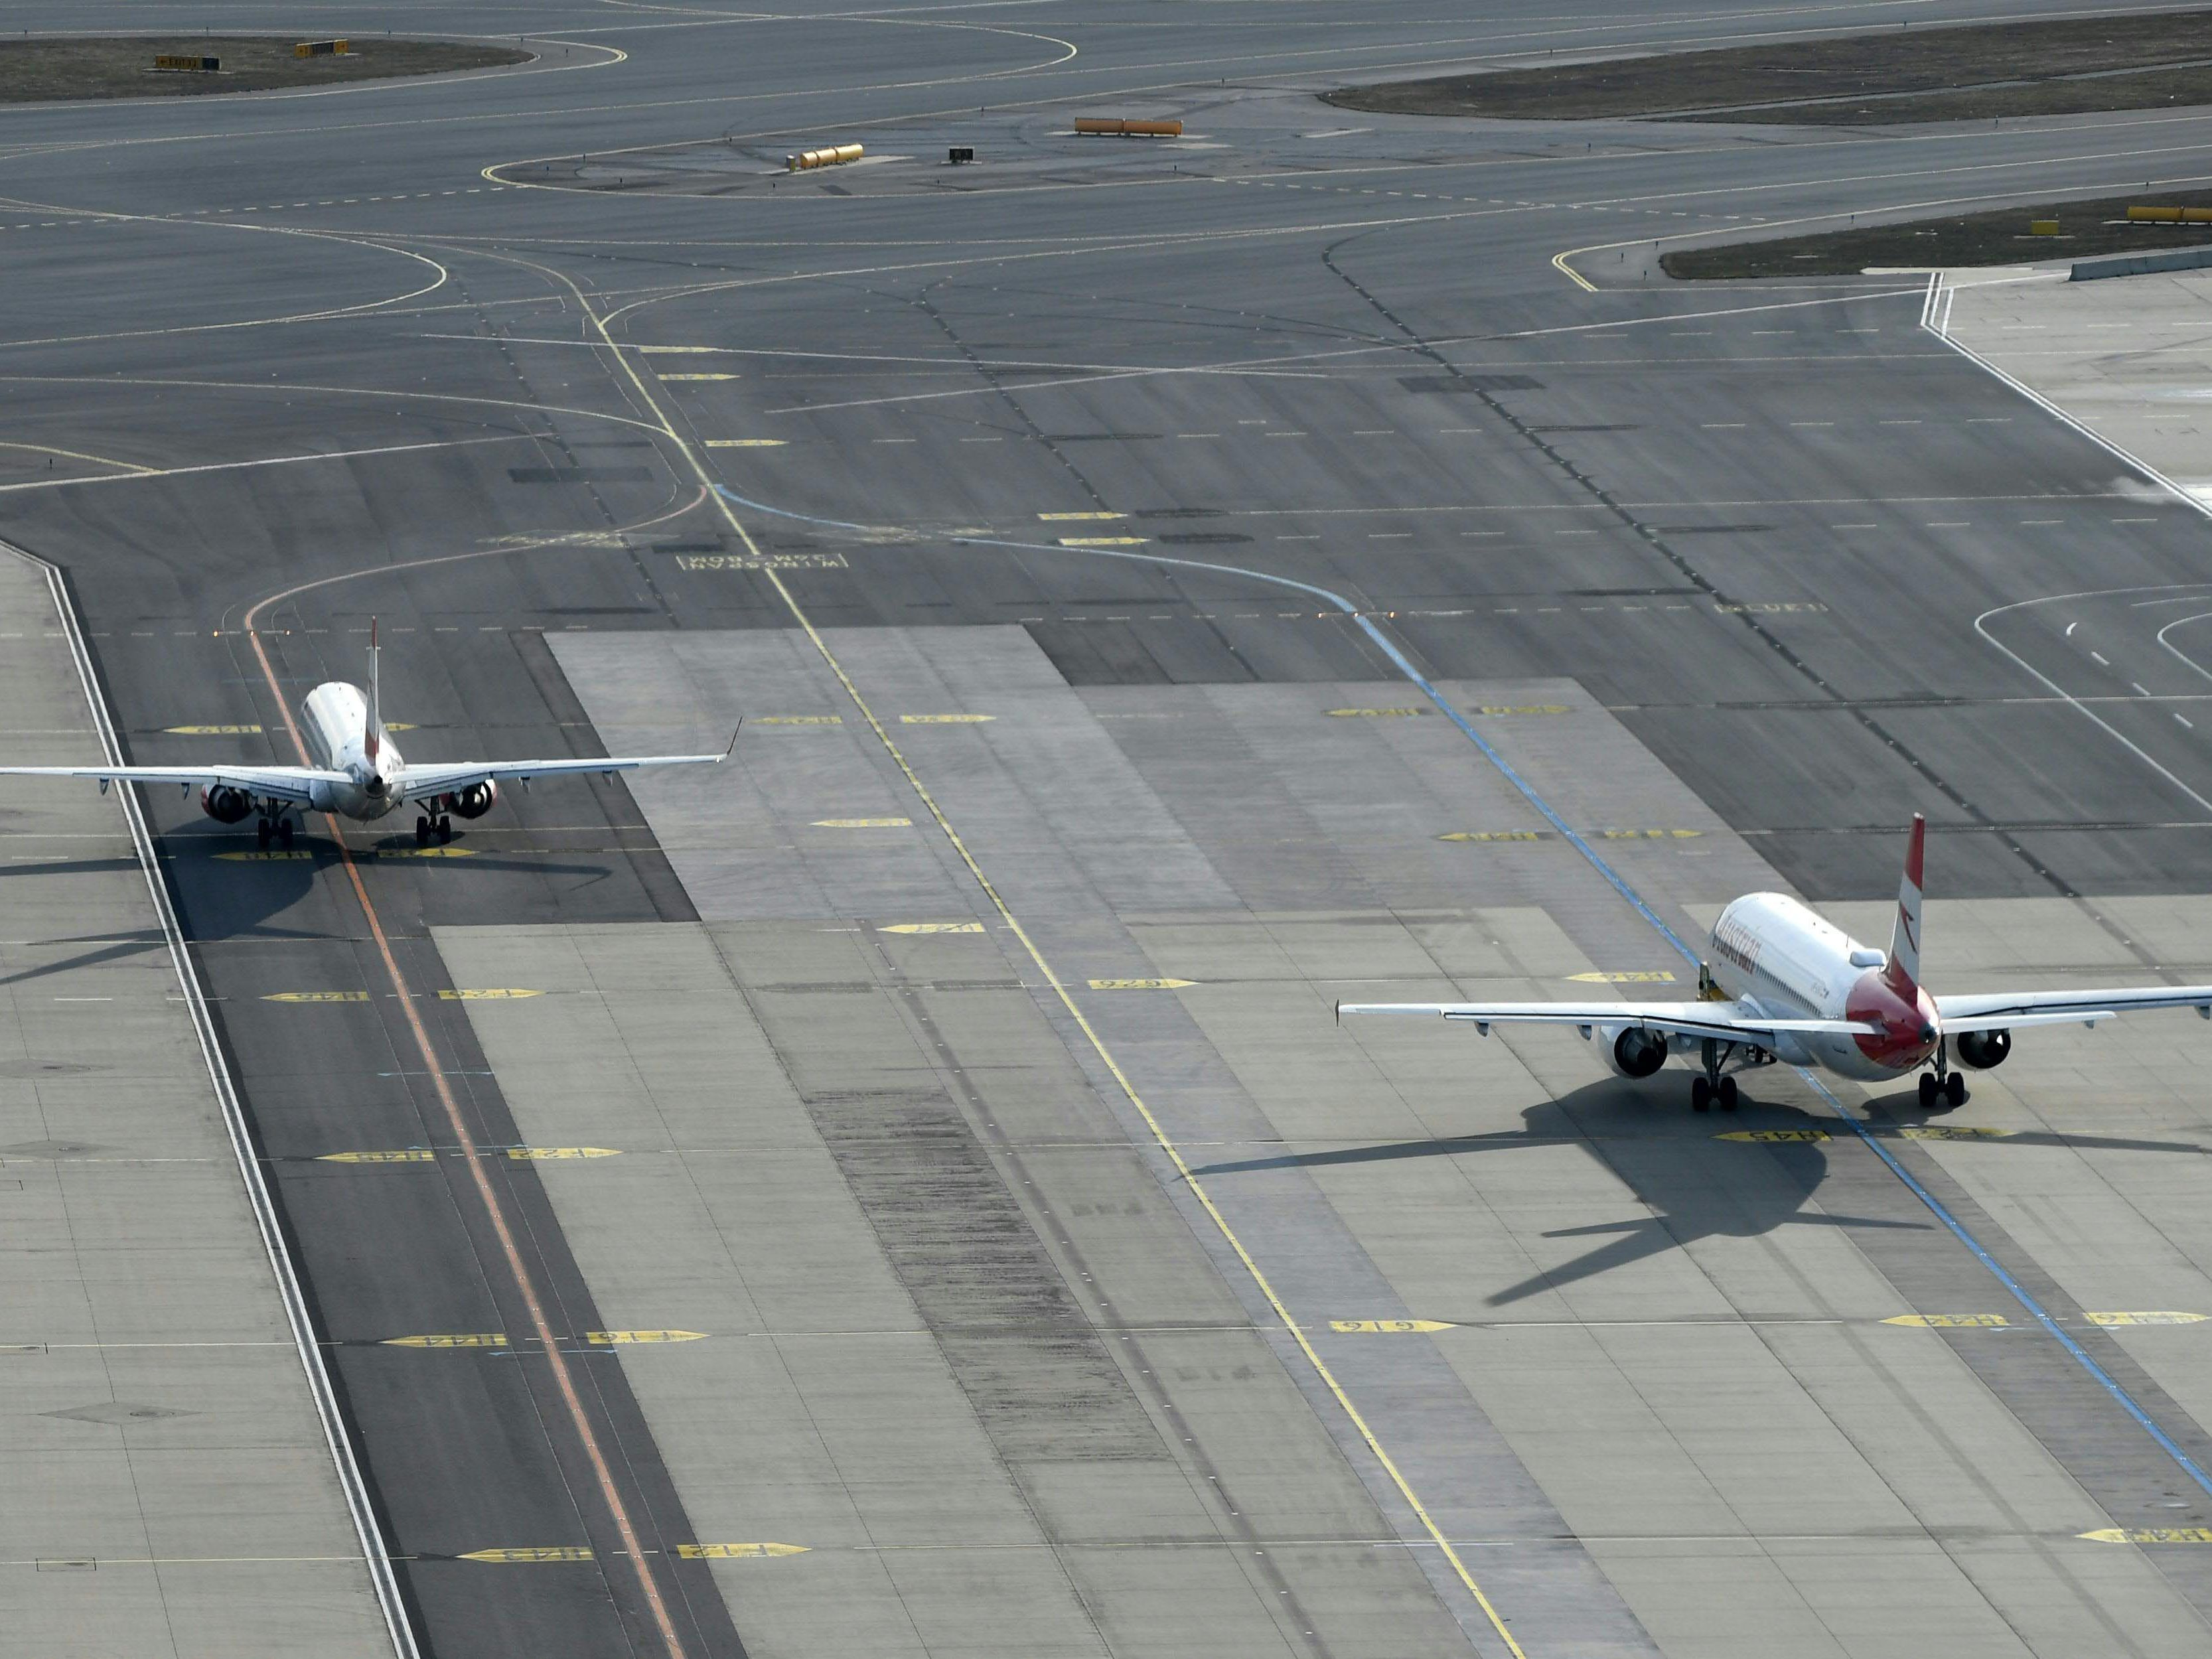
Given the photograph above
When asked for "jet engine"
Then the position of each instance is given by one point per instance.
(472, 802)
(1632, 1050)
(225, 804)
(1982, 1050)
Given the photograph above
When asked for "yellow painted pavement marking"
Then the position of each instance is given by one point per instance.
(1191, 1184)
(542, 1553)
(408, 1155)
(1949, 1321)
(487, 993)
(1951, 1132)
(1649, 835)
(427, 1155)
(449, 1339)
(1140, 984)
(1637, 976)
(744, 443)
(863, 823)
(1493, 835)
(537, 1154)
(698, 377)
(2148, 1535)
(316, 996)
(264, 857)
(946, 720)
(736, 1551)
(1101, 541)
(2148, 1317)
(672, 350)
(1770, 1135)
(213, 730)
(416, 853)
(1524, 708)
(1388, 1327)
(1373, 713)
(797, 719)
(932, 927)
(1051, 517)
(625, 1339)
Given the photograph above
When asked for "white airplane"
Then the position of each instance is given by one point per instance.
(358, 772)
(1786, 985)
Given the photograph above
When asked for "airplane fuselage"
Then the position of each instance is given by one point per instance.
(334, 725)
(1793, 963)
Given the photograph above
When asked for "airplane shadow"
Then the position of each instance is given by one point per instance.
(1696, 1185)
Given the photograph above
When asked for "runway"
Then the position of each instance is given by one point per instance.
(905, 1189)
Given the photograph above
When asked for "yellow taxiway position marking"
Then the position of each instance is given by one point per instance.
(2148, 1535)
(1951, 1132)
(863, 823)
(316, 996)
(623, 1339)
(1060, 517)
(1101, 541)
(1491, 834)
(487, 993)
(946, 720)
(736, 1551)
(263, 858)
(1773, 1135)
(1649, 835)
(2149, 1317)
(1387, 1327)
(426, 1155)
(741, 443)
(1372, 713)
(409, 1155)
(417, 852)
(544, 1553)
(213, 730)
(1524, 708)
(1140, 984)
(538, 1154)
(932, 927)
(1949, 1321)
(698, 377)
(450, 1339)
(1638, 976)
(798, 719)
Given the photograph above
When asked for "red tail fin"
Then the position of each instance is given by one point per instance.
(1903, 971)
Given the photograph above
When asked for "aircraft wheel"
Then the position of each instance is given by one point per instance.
(1728, 1093)
(1927, 1091)
(422, 832)
(284, 832)
(445, 829)
(1701, 1095)
(261, 834)
(1954, 1089)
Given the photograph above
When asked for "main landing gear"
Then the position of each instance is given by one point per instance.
(1712, 1086)
(441, 826)
(276, 828)
(1942, 1090)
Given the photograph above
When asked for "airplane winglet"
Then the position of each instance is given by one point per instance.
(732, 748)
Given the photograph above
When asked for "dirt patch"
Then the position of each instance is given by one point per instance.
(2063, 66)
(44, 71)
(1996, 237)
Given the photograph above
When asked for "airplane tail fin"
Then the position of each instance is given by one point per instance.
(1903, 971)
(373, 738)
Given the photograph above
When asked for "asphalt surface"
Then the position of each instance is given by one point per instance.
(468, 356)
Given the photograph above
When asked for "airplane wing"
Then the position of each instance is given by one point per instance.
(292, 783)
(436, 779)
(2004, 1010)
(1726, 1021)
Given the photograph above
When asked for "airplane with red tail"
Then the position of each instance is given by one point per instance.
(1785, 985)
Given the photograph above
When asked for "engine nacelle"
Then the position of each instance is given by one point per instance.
(1632, 1050)
(224, 803)
(472, 802)
(1982, 1050)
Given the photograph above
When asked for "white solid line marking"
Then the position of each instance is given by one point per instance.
(2099, 657)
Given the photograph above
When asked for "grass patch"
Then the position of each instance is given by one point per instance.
(44, 71)
(2049, 67)
(1994, 237)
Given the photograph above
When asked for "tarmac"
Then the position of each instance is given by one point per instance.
(905, 1189)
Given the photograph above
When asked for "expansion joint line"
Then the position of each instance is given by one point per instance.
(1152, 1124)
(510, 1247)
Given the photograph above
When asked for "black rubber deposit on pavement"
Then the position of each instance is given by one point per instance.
(2069, 66)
